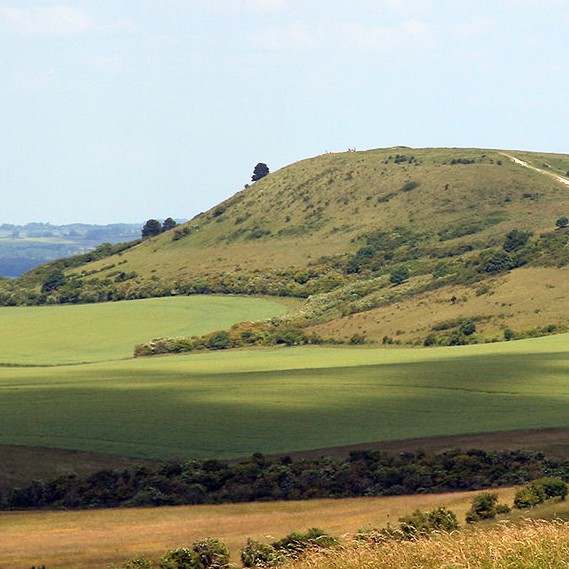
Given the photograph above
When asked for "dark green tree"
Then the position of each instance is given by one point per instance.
(260, 171)
(467, 327)
(54, 280)
(151, 228)
(515, 239)
(168, 224)
(499, 262)
(562, 222)
(399, 275)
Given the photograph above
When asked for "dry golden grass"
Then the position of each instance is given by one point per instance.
(520, 300)
(533, 544)
(94, 539)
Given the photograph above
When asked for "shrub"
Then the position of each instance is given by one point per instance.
(138, 563)
(528, 497)
(218, 341)
(441, 270)
(515, 239)
(562, 222)
(399, 275)
(410, 186)
(212, 553)
(294, 544)
(485, 507)
(430, 340)
(509, 334)
(539, 491)
(442, 519)
(467, 327)
(257, 554)
(554, 487)
(358, 339)
(181, 558)
(499, 262)
(419, 523)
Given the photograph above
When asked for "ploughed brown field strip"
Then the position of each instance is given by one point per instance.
(21, 465)
(552, 442)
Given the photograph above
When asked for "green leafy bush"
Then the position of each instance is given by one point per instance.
(499, 262)
(212, 553)
(399, 275)
(467, 327)
(294, 544)
(485, 507)
(257, 554)
(181, 558)
(539, 491)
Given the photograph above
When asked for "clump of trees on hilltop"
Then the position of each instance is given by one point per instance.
(153, 227)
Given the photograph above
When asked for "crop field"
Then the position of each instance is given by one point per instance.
(100, 332)
(94, 539)
(235, 403)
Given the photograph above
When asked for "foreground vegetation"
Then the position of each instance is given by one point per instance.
(93, 539)
(534, 544)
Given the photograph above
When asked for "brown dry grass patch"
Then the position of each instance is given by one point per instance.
(523, 299)
(94, 539)
(533, 544)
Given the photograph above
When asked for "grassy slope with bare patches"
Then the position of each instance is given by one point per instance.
(317, 207)
(522, 299)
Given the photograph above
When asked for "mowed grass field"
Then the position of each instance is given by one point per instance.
(235, 403)
(99, 332)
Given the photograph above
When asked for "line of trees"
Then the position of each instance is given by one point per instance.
(364, 473)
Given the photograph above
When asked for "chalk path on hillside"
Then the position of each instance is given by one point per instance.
(557, 177)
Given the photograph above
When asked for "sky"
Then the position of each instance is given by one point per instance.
(125, 110)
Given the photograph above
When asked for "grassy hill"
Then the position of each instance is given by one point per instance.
(325, 205)
(474, 232)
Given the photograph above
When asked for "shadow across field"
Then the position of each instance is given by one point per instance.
(179, 413)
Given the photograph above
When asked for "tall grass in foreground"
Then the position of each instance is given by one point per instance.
(533, 544)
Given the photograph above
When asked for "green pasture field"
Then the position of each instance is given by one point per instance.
(100, 332)
(235, 403)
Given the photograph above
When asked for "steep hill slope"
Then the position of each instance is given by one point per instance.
(359, 232)
(319, 206)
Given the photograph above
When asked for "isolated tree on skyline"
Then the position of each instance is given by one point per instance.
(168, 224)
(261, 170)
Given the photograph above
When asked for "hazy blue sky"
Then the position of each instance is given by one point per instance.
(123, 110)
